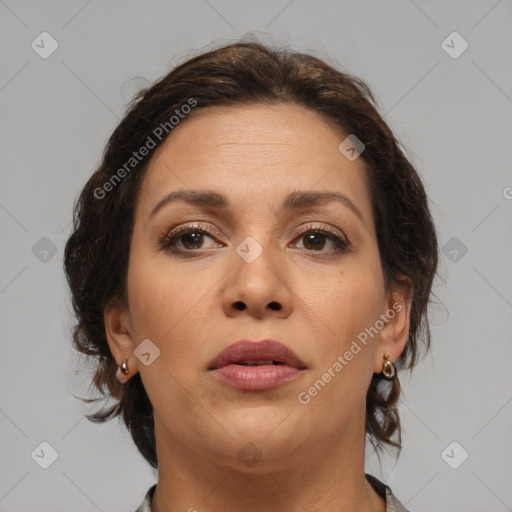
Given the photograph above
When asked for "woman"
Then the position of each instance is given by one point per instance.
(248, 282)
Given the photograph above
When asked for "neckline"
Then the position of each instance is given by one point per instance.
(380, 488)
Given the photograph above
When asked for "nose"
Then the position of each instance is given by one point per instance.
(258, 287)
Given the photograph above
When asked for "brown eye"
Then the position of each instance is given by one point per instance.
(315, 240)
(190, 238)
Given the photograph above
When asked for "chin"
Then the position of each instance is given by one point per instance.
(260, 421)
(272, 433)
(259, 455)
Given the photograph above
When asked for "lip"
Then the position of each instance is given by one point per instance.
(274, 364)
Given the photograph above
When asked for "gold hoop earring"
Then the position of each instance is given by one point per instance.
(388, 368)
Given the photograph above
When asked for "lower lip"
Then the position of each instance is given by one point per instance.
(256, 378)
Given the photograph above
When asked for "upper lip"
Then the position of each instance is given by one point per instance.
(251, 351)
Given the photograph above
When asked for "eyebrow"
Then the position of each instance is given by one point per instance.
(294, 201)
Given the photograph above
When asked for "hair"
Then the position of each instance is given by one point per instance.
(97, 252)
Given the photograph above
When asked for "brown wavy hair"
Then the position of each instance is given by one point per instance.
(97, 251)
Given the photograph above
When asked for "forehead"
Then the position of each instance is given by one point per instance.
(258, 152)
(271, 129)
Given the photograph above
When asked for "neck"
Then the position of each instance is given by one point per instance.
(323, 478)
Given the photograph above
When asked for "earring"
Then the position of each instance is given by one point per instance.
(388, 368)
(122, 372)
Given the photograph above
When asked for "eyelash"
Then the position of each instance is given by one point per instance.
(167, 242)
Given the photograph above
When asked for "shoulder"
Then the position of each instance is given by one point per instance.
(392, 503)
(145, 506)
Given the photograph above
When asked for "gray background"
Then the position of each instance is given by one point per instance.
(453, 114)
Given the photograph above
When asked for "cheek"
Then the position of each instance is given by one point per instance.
(169, 308)
(159, 296)
(347, 301)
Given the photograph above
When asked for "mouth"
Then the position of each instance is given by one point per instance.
(257, 353)
(256, 365)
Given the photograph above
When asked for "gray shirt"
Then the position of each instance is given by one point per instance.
(392, 504)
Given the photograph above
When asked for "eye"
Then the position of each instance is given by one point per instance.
(316, 238)
(190, 237)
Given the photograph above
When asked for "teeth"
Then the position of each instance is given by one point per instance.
(258, 363)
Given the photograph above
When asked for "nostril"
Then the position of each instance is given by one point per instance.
(240, 306)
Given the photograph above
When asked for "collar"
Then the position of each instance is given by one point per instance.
(392, 504)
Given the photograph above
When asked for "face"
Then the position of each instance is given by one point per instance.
(256, 265)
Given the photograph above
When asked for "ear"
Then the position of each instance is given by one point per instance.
(118, 331)
(396, 316)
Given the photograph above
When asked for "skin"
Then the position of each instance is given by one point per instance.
(312, 456)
